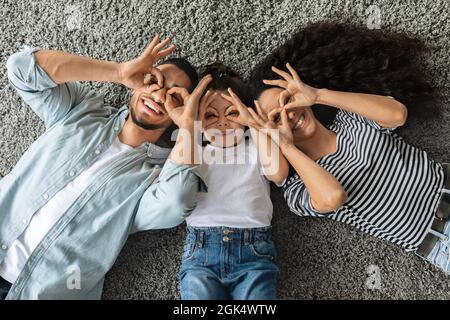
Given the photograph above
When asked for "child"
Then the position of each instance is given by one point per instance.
(229, 252)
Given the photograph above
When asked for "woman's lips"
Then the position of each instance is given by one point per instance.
(301, 122)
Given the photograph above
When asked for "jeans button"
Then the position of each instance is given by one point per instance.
(226, 239)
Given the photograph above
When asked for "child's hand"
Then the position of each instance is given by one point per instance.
(245, 116)
(297, 93)
(188, 111)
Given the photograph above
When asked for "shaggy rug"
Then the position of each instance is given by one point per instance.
(319, 259)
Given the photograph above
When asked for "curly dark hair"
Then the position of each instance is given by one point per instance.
(224, 77)
(351, 58)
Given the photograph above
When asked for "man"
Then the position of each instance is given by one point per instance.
(95, 175)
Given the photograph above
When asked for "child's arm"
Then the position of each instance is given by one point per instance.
(185, 150)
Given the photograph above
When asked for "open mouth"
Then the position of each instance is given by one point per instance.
(301, 122)
(152, 107)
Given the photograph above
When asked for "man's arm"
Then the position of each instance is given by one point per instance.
(50, 101)
(46, 79)
(65, 67)
(166, 203)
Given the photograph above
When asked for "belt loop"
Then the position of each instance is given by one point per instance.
(248, 236)
(200, 239)
(439, 235)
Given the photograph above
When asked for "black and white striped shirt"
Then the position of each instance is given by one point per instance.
(393, 188)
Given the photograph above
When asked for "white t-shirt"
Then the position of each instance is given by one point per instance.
(238, 193)
(46, 217)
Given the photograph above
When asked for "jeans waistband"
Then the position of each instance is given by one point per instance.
(244, 236)
(446, 167)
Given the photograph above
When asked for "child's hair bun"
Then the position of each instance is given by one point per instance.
(219, 70)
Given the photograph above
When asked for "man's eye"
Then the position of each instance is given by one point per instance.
(177, 98)
(153, 80)
(233, 113)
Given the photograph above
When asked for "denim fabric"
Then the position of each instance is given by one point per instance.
(228, 263)
(5, 286)
(440, 254)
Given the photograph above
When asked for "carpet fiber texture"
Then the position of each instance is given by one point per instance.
(319, 259)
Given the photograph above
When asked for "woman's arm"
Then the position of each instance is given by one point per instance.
(325, 191)
(275, 165)
(386, 111)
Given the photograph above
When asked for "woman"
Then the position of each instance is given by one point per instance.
(354, 168)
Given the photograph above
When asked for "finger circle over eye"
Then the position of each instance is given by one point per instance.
(158, 75)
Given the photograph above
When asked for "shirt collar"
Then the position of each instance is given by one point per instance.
(152, 150)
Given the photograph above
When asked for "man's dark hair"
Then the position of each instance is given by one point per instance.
(186, 66)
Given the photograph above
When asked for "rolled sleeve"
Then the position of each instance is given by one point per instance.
(50, 101)
(299, 200)
(168, 201)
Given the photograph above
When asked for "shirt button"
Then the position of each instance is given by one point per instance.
(24, 221)
(97, 151)
(4, 247)
(72, 173)
(46, 196)
(116, 128)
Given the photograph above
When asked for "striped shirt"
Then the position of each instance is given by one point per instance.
(393, 188)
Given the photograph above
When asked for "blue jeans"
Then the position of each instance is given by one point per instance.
(440, 254)
(4, 288)
(221, 263)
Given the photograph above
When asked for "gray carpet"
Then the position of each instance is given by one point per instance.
(318, 259)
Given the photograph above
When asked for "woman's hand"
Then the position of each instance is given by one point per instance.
(186, 111)
(276, 124)
(133, 73)
(296, 93)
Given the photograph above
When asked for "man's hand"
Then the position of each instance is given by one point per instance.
(296, 93)
(188, 111)
(132, 73)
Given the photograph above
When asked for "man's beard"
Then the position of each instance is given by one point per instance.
(145, 126)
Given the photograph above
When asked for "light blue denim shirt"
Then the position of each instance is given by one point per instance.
(139, 192)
